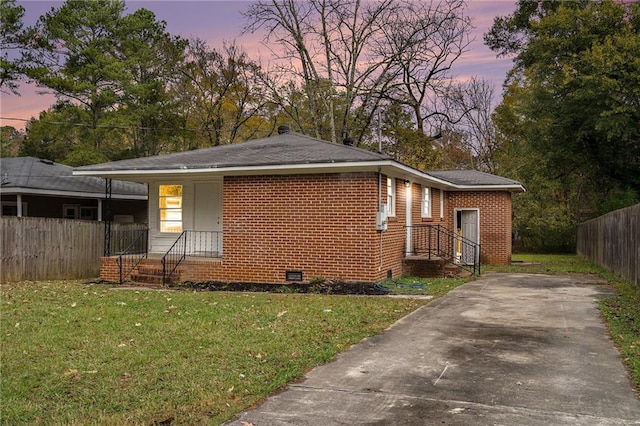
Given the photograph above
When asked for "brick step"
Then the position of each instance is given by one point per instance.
(148, 270)
(144, 278)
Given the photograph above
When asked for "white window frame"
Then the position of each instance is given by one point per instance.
(391, 196)
(179, 209)
(427, 202)
(75, 208)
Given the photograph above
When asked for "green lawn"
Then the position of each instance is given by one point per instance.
(74, 353)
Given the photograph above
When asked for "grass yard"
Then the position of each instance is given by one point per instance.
(75, 353)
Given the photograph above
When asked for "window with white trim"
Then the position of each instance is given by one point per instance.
(426, 201)
(170, 204)
(391, 196)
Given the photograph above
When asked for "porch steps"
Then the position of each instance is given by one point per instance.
(434, 267)
(149, 273)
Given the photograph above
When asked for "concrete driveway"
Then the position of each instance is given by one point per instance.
(507, 349)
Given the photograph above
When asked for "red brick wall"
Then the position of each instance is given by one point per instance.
(325, 226)
(495, 221)
(320, 224)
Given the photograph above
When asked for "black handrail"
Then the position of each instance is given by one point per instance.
(190, 243)
(127, 259)
(438, 241)
(173, 257)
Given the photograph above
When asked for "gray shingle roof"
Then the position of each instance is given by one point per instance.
(472, 178)
(285, 149)
(28, 173)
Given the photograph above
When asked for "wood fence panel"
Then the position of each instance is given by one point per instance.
(42, 248)
(613, 241)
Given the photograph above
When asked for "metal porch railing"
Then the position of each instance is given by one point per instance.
(190, 243)
(134, 251)
(436, 241)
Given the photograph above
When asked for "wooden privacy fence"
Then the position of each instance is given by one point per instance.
(613, 241)
(36, 248)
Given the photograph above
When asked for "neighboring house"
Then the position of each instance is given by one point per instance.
(294, 208)
(41, 188)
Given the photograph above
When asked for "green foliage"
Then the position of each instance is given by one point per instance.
(114, 69)
(10, 141)
(570, 118)
(435, 287)
(622, 314)
(86, 354)
(11, 39)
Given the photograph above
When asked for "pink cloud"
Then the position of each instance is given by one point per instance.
(219, 21)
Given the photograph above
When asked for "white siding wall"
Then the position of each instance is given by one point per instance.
(161, 242)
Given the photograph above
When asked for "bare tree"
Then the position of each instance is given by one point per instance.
(366, 53)
(222, 91)
(423, 43)
(328, 46)
(474, 133)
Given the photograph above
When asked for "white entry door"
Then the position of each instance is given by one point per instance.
(207, 219)
(470, 230)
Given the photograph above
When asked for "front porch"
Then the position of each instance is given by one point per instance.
(435, 251)
(193, 255)
(431, 251)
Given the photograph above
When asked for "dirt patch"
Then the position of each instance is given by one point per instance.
(327, 287)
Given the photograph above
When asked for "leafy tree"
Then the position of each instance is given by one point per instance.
(11, 42)
(569, 123)
(75, 56)
(10, 141)
(223, 95)
(581, 67)
(150, 56)
(56, 136)
(404, 142)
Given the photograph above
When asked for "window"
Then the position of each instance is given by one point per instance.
(10, 208)
(391, 196)
(426, 201)
(70, 211)
(88, 213)
(170, 200)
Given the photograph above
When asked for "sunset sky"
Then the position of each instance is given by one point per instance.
(218, 21)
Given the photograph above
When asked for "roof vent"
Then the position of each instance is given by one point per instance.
(282, 129)
(348, 141)
(49, 162)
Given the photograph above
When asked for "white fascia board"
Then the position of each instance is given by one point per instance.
(70, 194)
(143, 175)
(388, 166)
(510, 188)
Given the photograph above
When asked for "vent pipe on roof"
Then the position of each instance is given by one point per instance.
(282, 129)
(348, 141)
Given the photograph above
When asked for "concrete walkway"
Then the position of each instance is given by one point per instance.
(507, 349)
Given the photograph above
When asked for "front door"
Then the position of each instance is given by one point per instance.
(207, 220)
(468, 228)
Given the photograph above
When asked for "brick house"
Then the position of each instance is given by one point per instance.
(294, 208)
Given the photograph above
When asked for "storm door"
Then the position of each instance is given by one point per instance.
(467, 236)
(206, 237)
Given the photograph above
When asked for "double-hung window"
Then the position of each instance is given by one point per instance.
(170, 201)
(426, 201)
(391, 196)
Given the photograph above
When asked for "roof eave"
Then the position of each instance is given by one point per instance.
(71, 194)
(390, 167)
